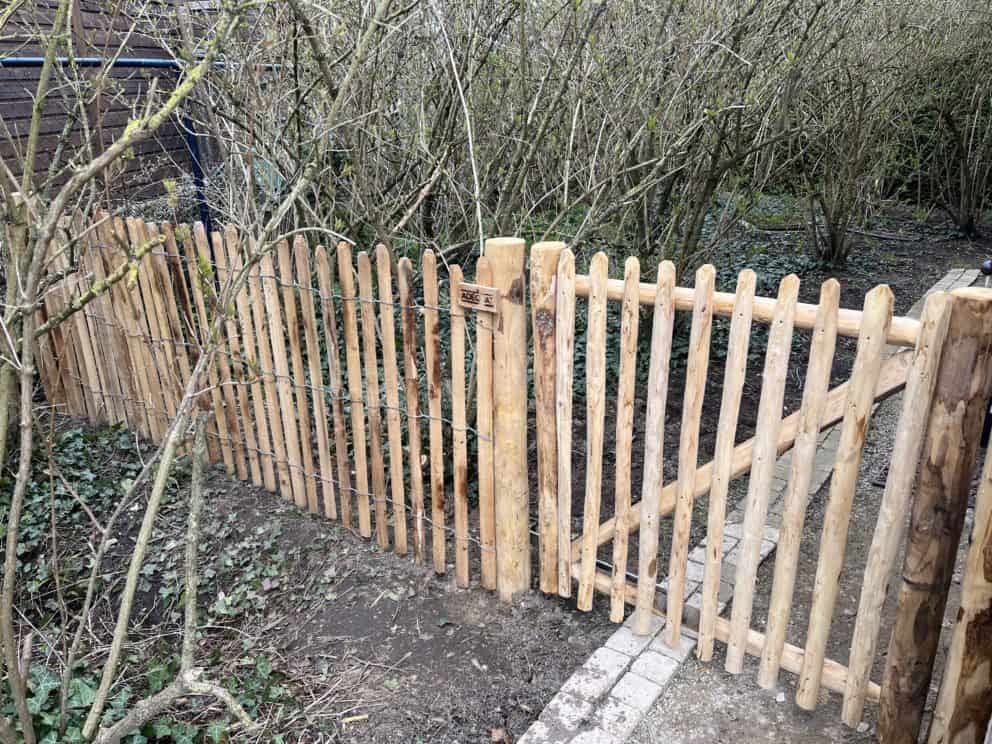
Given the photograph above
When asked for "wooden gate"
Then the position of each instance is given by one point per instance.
(927, 357)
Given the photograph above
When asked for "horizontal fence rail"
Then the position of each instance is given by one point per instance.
(394, 397)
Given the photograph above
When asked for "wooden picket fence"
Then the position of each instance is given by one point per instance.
(291, 417)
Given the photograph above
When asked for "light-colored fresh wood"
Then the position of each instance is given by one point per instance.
(373, 400)
(412, 385)
(269, 385)
(654, 445)
(201, 269)
(353, 362)
(902, 332)
(811, 411)
(432, 360)
(176, 301)
(629, 317)
(459, 434)
(891, 381)
(543, 266)
(254, 372)
(896, 502)
(484, 431)
(734, 373)
(963, 705)
(957, 410)
(564, 371)
(390, 373)
(299, 380)
(769, 420)
(341, 458)
(506, 256)
(228, 384)
(239, 371)
(833, 539)
(692, 409)
(595, 422)
(78, 363)
(284, 387)
(301, 256)
(96, 315)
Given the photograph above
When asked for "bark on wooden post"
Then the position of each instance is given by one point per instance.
(960, 400)
(964, 705)
(510, 417)
(543, 268)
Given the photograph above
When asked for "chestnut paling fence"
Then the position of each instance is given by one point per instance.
(333, 388)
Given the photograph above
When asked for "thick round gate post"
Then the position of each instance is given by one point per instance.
(506, 256)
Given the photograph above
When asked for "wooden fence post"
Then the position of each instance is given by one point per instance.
(510, 417)
(543, 269)
(964, 705)
(964, 381)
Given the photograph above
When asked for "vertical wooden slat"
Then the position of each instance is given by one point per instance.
(654, 444)
(564, 371)
(432, 349)
(723, 455)
(336, 391)
(299, 382)
(110, 392)
(833, 540)
(958, 408)
(543, 267)
(224, 245)
(373, 399)
(767, 427)
(390, 373)
(353, 361)
(506, 256)
(629, 316)
(301, 254)
(692, 409)
(459, 434)
(269, 384)
(411, 382)
(161, 261)
(484, 427)
(82, 345)
(595, 420)
(249, 334)
(896, 502)
(284, 387)
(201, 270)
(811, 410)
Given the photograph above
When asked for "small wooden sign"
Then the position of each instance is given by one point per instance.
(478, 297)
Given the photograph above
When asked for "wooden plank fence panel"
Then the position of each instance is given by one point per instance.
(815, 391)
(833, 539)
(595, 420)
(692, 407)
(459, 433)
(762, 468)
(163, 258)
(432, 359)
(373, 400)
(564, 371)
(629, 317)
(726, 436)
(412, 384)
(654, 445)
(387, 327)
